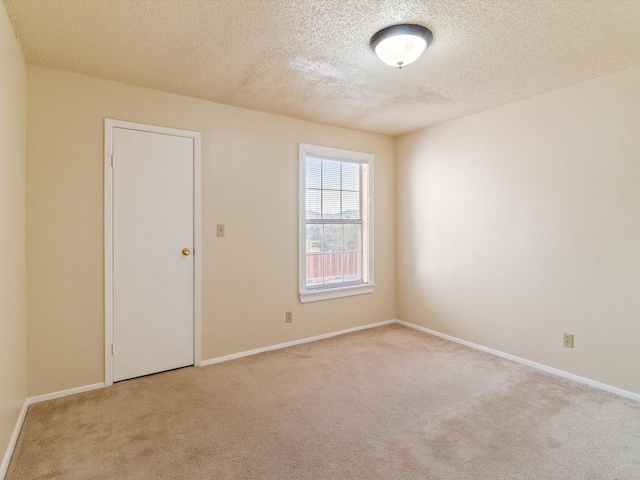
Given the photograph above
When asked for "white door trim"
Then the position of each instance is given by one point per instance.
(109, 125)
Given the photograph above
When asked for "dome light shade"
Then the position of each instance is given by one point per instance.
(400, 45)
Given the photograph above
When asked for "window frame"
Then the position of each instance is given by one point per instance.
(329, 292)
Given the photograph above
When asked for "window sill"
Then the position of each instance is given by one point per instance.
(329, 293)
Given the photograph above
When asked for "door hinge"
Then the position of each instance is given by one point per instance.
(112, 160)
(113, 350)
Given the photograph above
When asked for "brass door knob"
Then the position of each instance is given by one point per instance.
(186, 252)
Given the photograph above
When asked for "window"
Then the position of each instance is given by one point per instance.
(336, 212)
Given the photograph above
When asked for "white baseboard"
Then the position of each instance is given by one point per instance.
(255, 351)
(539, 366)
(64, 393)
(13, 440)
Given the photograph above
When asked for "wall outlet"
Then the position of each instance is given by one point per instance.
(221, 229)
(288, 317)
(567, 340)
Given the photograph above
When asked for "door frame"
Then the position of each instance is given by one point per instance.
(109, 125)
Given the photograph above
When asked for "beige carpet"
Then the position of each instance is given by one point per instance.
(387, 403)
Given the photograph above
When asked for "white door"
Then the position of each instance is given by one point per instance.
(153, 242)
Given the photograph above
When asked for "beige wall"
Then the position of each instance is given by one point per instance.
(523, 222)
(13, 91)
(249, 183)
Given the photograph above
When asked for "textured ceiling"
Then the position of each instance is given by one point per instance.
(311, 59)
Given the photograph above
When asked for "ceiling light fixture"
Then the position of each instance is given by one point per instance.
(400, 45)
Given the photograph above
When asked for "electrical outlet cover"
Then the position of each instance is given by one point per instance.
(567, 340)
